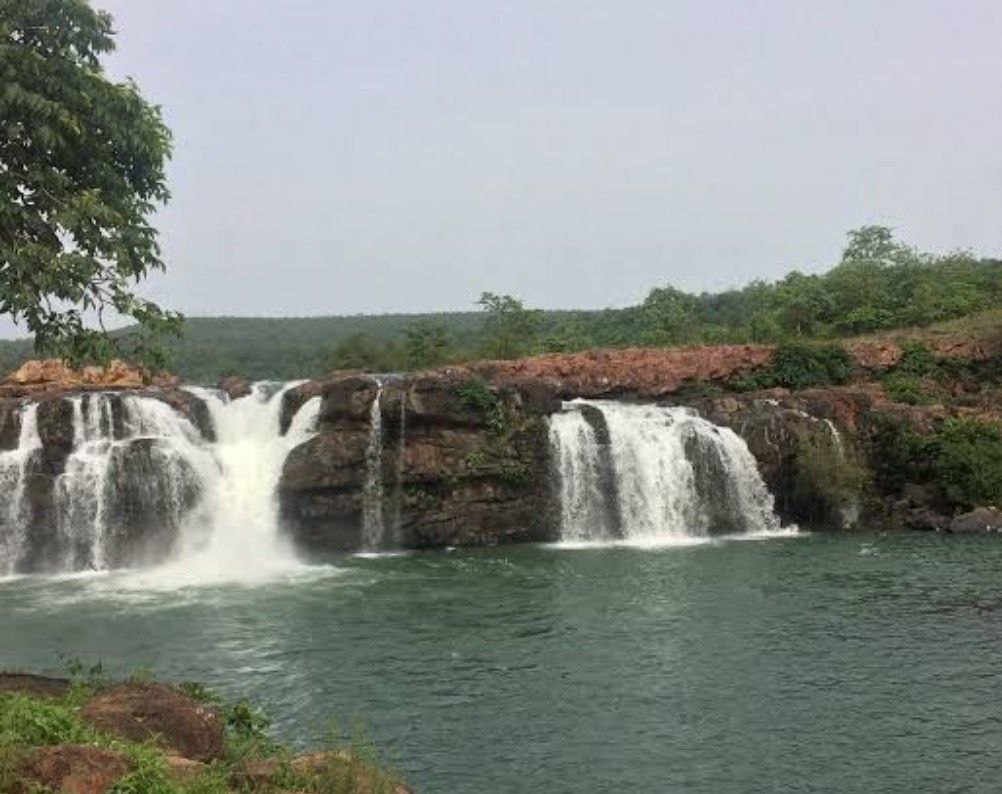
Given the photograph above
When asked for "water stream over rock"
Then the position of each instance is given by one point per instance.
(651, 473)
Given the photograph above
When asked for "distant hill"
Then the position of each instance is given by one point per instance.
(285, 348)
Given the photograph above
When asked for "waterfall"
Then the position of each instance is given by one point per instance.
(238, 534)
(373, 528)
(651, 473)
(141, 485)
(584, 506)
(142, 472)
(14, 471)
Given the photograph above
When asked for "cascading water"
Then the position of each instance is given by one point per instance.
(582, 478)
(141, 485)
(14, 471)
(373, 526)
(239, 535)
(146, 468)
(662, 474)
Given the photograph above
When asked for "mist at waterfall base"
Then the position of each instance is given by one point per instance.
(855, 663)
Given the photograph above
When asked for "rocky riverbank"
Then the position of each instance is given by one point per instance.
(92, 737)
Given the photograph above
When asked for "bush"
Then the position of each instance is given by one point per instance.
(797, 365)
(25, 720)
(907, 389)
(830, 484)
(476, 393)
(916, 359)
(967, 461)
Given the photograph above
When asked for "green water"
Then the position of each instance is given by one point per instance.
(812, 664)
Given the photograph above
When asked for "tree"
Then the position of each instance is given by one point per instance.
(805, 303)
(81, 171)
(425, 344)
(670, 316)
(875, 244)
(510, 327)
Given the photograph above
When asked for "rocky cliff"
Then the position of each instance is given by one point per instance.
(457, 462)
(462, 456)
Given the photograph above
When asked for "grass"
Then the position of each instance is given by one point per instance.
(28, 722)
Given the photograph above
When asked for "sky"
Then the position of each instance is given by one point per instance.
(404, 155)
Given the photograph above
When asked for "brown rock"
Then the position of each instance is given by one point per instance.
(50, 370)
(117, 374)
(234, 386)
(35, 685)
(141, 711)
(70, 768)
(52, 376)
(981, 520)
(643, 372)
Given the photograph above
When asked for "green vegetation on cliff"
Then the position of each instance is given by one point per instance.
(961, 460)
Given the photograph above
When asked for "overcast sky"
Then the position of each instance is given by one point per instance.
(404, 155)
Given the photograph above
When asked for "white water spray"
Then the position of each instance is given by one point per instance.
(237, 537)
(579, 470)
(155, 456)
(141, 485)
(674, 476)
(14, 469)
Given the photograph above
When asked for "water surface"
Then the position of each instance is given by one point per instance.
(853, 663)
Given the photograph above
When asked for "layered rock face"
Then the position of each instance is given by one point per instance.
(420, 462)
(457, 456)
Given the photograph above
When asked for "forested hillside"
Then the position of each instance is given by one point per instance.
(879, 284)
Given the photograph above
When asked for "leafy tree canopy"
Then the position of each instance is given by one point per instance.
(510, 328)
(81, 170)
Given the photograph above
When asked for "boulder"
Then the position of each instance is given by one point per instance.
(981, 520)
(234, 386)
(348, 400)
(142, 711)
(69, 768)
(294, 399)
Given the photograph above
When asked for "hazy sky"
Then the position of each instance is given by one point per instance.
(405, 155)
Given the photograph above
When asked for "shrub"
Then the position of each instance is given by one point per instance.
(25, 720)
(916, 359)
(829, 484)
(967, 460)
(907, 389)
(798, 365)
(476, 393)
